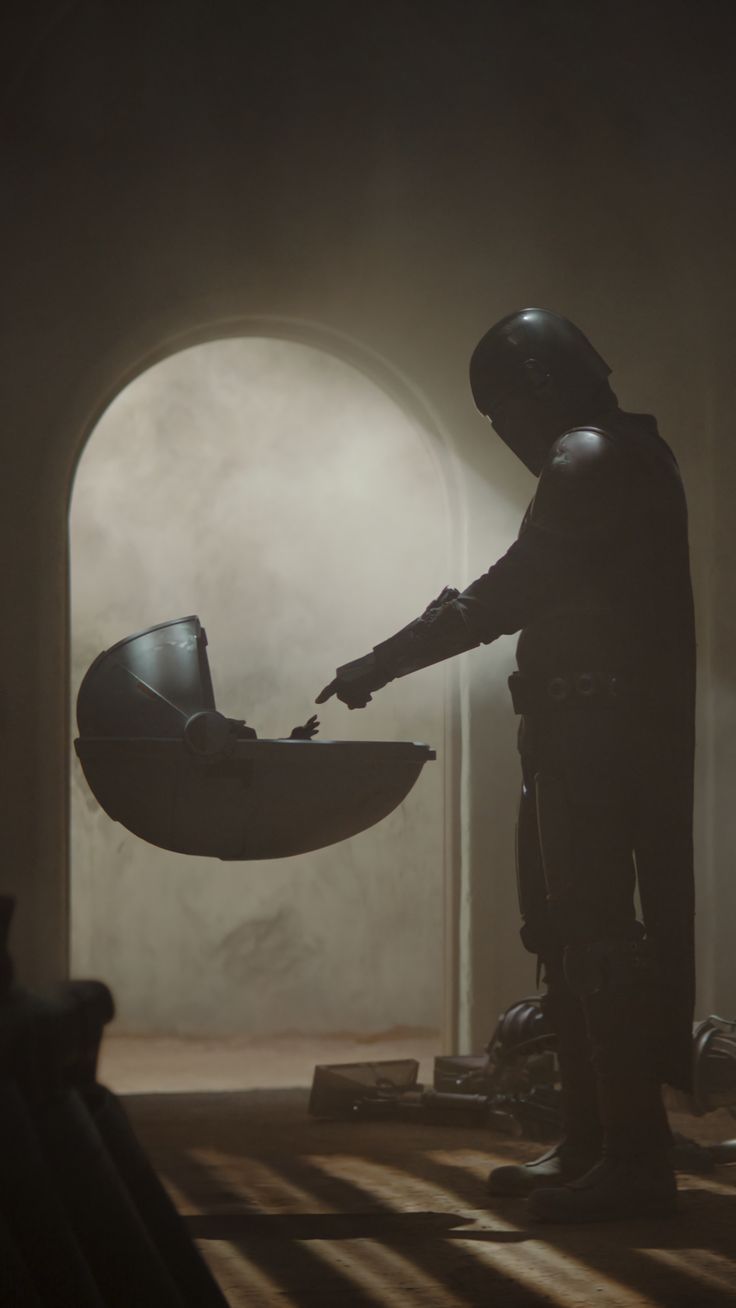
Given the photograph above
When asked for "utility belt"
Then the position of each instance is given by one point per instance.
(573, 690)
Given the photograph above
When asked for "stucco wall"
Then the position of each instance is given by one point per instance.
(280, 494)
(402, 186)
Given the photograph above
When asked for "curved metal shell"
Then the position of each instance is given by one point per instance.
(268, 799)
(148, 684)
(250, 799)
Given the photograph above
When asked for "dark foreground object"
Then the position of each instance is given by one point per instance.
(84, 1220)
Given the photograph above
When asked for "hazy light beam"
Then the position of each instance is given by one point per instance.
(712, 1269)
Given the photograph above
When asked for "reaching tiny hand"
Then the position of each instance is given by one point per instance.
(310, 728)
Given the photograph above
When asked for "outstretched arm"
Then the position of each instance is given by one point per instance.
(566, 531)
(445, 628)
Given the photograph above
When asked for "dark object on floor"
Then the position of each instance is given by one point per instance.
(513, 1087)
(159, 758)
(391, 1089)
(714, 1065)
(340, 1089)
(84, 1217)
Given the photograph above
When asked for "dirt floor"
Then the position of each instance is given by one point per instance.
(293, 1211)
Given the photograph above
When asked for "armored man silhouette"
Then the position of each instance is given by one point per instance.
(598, 585)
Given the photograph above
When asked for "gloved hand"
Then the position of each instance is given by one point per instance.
(354, 682)
(437, 634)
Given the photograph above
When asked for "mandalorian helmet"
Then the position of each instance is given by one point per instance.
(534, 374)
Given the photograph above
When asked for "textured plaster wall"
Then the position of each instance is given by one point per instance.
(280, 494)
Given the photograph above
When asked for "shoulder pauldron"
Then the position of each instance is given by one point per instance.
(581, 491)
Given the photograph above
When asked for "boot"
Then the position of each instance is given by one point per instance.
(635, 1177)
(563, 1163)
(614, 1188)
(581, 1145)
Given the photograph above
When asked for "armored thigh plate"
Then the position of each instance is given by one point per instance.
(161, 760)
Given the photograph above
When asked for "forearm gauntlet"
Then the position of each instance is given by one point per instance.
(442, 631)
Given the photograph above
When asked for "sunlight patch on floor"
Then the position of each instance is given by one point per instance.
(711, 1269)
(531, 1263)
(241, 1281)
(383, 1274)
(289, 1210)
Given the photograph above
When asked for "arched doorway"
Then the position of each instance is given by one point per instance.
(285, 497)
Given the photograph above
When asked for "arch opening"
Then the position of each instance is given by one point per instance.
(283, 495)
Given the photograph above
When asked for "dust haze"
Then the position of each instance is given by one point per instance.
(283, 497)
